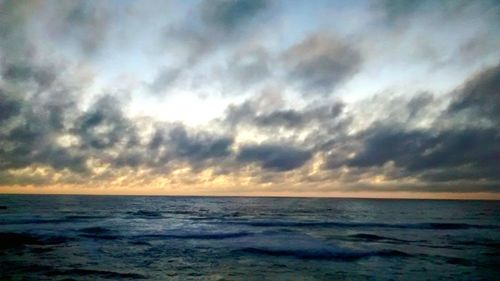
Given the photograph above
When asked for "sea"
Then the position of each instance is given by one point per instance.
(56, 237)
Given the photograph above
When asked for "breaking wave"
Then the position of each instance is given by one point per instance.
(306, 247)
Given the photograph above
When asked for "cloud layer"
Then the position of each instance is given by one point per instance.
(324, 108)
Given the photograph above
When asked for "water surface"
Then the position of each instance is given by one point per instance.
(221, 238)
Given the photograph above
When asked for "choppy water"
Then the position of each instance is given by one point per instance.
(186, 238)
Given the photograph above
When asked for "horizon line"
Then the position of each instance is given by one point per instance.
(252, 196)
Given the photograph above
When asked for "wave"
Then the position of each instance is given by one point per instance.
(35, 221)
(371, 237)
(181, 212)
(64, 273)
(325, 254)
(84, 217)
(146, 214)
(108, 234)
(436, 226)
(65, 219)
(96, 273)
(15, 240)
(367, 237)
(95, 230)
(102, 237)
(488, 243)
(201, 236)
(98, 232)
(306, 247)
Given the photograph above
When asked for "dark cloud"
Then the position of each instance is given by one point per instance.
(44, 123)
(418, 103)
(230, 15)
(383, 144)
(421, 150)
(33, 109)
(402, 11)
(447, 156)
(173, 143)
(104, 126)
(34, 106)
(29, 137)
(320, 63)
(287, 118)
(324, 115)
(9, 106)
(41, 122)
(277, 157)
(198, 147)
(441, 153)
(251, 113)
(480, 97)
(239, 114)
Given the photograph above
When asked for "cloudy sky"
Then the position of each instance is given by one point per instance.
(251, 97)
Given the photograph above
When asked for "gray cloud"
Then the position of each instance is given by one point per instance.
(439, 153)
(43, 120)
(23, 71)
(479, 97)
(42, 124)
(230, 15)
(287, 118)
(419, 103)
(165, 78)
(398, 11)
(251, 113)
(175, 143)
(198, 147)
(29, 137)
(402, 11)
(9, 106)
(104, 126)
(82, 23)
(320, 63)
(418, 151)
(14, 43)
(34, 106)
(249, 66)
(276, 157)
(214, 25)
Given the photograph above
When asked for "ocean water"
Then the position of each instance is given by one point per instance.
(221, 238)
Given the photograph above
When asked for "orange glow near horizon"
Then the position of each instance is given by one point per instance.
(182, 181)
(76, 190)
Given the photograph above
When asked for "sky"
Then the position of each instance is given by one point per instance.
(385, 99)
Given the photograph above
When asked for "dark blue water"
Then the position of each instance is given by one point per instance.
(186, 238)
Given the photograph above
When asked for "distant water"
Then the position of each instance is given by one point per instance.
(186, 238)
